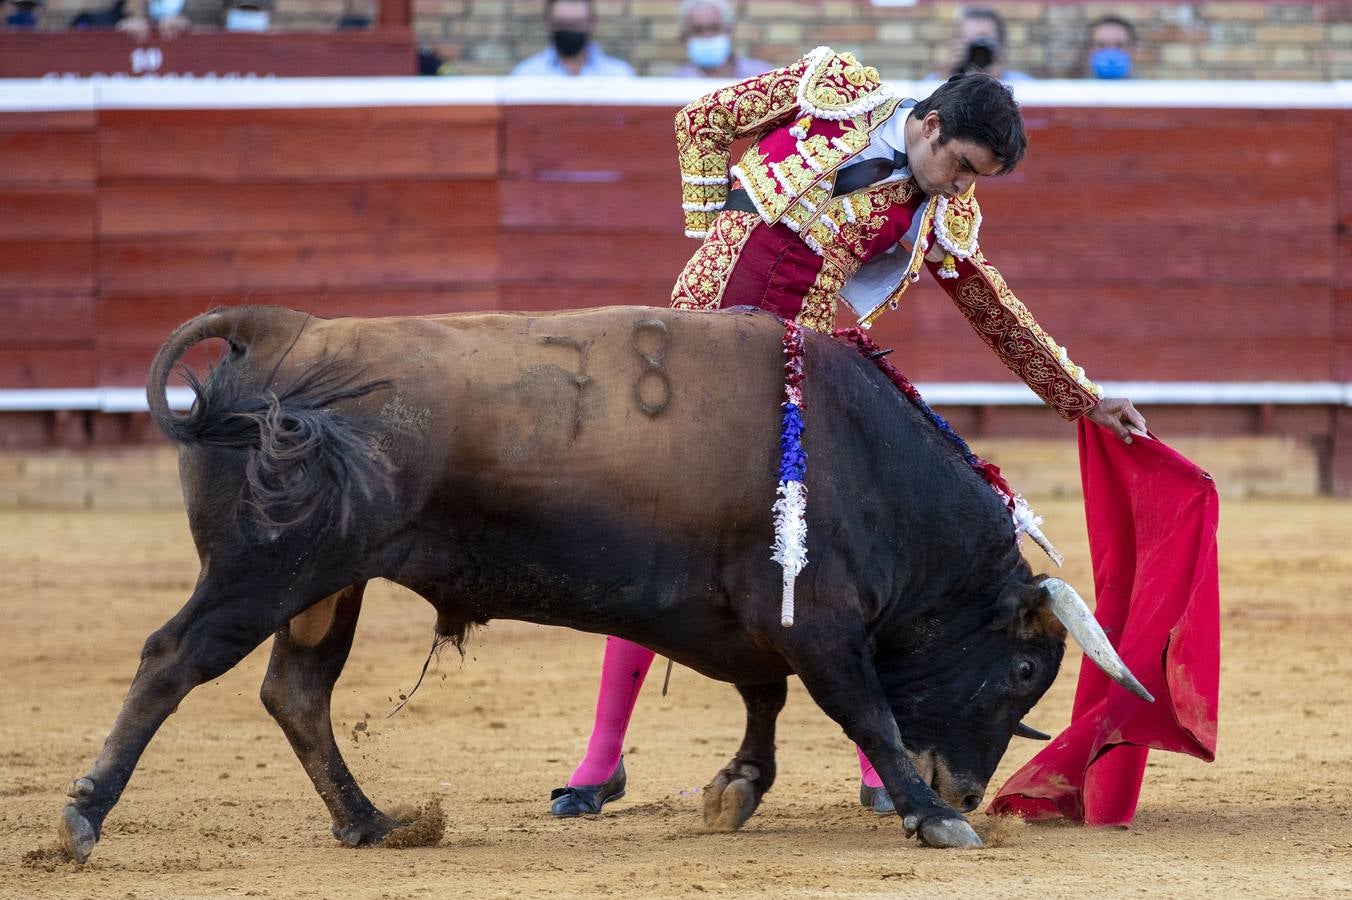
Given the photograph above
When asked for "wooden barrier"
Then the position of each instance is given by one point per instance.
(207, 54)
(1159, 244)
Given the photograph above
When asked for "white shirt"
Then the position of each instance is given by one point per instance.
(547, 62)
(886, 140)
(876, 279)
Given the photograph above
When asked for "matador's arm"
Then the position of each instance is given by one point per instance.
(707, 127)
(1008, 328)
(948, 248)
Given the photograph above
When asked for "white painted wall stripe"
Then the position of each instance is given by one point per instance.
(977, 393)
(1154, 393)
(169, 92)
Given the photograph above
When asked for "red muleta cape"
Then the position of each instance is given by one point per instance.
(1152, 517)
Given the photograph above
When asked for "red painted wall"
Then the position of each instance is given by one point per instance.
(203, 54)
(1157, 244)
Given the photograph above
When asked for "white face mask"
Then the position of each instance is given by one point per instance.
(163, 9)
(709, 52)
(246, 20)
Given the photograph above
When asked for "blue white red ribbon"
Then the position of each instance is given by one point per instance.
(790, 547)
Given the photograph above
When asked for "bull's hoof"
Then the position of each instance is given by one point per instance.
(954, 834)
(78, 835)
(876, 799)
(80, 788)
(728, 805)
(366, 831)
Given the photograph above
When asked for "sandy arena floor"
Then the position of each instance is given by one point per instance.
(220, 807)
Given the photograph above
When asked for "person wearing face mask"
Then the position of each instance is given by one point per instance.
(1112, 44)
(20, 15)
(247, 15)
(706, 31)
(847, 192)
(572, 51)
(172, 17)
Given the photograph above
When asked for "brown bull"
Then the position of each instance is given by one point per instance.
(611, 471)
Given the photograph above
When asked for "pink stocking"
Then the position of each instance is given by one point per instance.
(866, 772)
(622, 673)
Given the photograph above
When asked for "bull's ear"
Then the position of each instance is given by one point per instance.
(1019, 597)
(1023, 607)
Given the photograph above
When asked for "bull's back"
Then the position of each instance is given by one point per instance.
(648, 412)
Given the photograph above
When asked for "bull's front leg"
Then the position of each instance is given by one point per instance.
(212, 633)
(837, 670)
(737, 789)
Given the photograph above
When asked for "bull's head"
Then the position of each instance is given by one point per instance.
(960, 690)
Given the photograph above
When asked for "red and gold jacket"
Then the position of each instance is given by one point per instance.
(811, 119)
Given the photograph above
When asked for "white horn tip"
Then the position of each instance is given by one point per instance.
(1129, 682)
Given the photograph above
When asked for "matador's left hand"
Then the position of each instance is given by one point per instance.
(1118, 416)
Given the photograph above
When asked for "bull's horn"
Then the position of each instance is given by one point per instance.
(1028, 731)
(1069, 607)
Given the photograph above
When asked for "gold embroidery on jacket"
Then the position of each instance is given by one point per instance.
(705, 277)
(1007, 326)
(819, 304)
(858, 227)
(777, 186)
(839, 81)
(706, 128)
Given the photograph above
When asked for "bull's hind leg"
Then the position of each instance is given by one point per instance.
(308, 655)
(218, 626)
(737, 789)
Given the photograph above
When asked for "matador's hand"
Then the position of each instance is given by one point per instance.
(1118, 416)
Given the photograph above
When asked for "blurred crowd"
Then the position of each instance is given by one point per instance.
(707, 32)
(139, 17)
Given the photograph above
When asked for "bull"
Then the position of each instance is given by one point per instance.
(610, 471)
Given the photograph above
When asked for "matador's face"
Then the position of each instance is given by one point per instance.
(949, 168)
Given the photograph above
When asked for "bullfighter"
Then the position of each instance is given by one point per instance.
(846, 192)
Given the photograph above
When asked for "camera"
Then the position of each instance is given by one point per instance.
(981, 53)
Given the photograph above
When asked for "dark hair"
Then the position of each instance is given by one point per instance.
(977, 107)
(1114, 20)
(981, 12)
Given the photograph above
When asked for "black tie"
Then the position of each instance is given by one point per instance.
(862, 174)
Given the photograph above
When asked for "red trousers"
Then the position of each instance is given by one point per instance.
(744, 262)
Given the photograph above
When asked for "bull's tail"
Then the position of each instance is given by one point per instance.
(224, 324)
(304, 457)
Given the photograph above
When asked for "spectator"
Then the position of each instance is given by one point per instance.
(172, 17)
(96, 19)
(706, 29)
(247, 15)
(21, 15)
(980, 46)
(166, 15)
(1112, 44)
(431, 62)
(358, 15)
(571, 23)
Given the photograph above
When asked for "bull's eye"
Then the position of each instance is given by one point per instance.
(1024, 670)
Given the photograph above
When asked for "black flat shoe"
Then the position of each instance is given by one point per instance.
(587, 799)
(876, 799)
